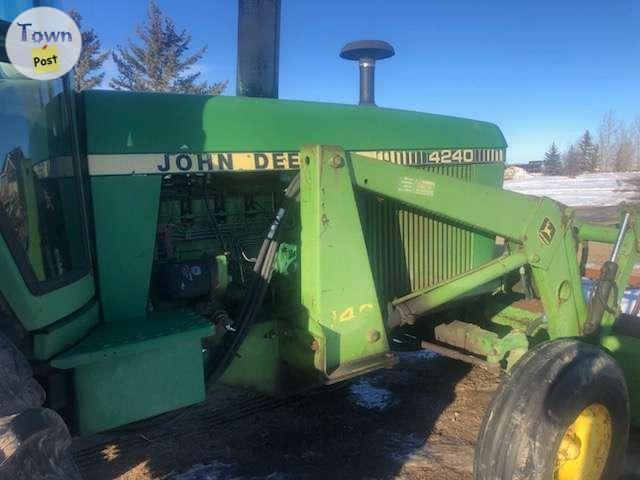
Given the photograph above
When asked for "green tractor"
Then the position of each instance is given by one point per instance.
(153, 246)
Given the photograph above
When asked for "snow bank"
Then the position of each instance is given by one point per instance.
(514, 173)
(590, 189)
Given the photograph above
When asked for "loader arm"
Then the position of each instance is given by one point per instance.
(538, 232)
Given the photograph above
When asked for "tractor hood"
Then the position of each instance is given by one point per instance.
(157, 123)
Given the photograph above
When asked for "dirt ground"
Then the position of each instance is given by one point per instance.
(416, 421)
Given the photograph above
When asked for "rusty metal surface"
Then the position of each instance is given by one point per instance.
(456, 355)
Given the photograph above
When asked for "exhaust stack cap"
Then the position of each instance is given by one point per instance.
(367, 52)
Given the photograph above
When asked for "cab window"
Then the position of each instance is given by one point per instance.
(40, 204)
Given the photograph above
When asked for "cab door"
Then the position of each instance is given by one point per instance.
(46, 279)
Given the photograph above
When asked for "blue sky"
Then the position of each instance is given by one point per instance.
(542, 70)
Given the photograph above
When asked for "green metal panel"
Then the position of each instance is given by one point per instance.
(62, 335)
(159, 123)
(257, 362)
(127, 389)
(158, 330)
(337, 286)
(128, 371)
(411, 250)
(39, 311)
(125, 214)
(597, 233)
(490, 175)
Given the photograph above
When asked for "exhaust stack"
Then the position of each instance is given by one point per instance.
(367, 52)
(258, 48)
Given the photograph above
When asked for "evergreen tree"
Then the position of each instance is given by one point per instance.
(86, 71)
(552, 163)
(588, 152)
(160, 63)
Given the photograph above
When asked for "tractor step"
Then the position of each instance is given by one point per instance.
(130, 370)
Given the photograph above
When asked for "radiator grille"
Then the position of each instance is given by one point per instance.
(410, 250)
(435, 157)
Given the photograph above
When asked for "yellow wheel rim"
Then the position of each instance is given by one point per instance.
(584, 448)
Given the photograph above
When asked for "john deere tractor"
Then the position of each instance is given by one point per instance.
(155, 245)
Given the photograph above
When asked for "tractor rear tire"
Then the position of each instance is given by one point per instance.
(563, 412)
(34, 441)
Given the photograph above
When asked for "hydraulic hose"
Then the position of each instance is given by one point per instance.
(263, 270)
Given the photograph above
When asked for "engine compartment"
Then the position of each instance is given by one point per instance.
(209, 232)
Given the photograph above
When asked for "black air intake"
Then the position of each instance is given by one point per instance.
(367, 52)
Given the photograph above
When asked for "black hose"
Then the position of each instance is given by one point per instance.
(612, 309)
(263, 270)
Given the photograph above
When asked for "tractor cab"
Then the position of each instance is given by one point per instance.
(44, 246)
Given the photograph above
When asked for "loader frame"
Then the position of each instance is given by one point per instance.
(541, 237)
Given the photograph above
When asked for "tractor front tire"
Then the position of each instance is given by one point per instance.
(34, 441)
(562, 413)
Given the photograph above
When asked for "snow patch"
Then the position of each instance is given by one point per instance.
(589, 189)
(371, 397)
(418, 355)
